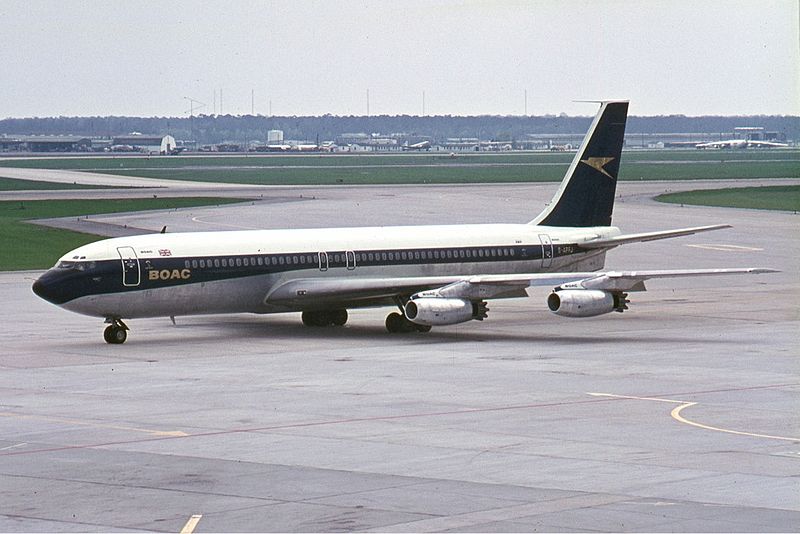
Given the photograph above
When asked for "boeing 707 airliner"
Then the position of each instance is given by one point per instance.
(434, 275)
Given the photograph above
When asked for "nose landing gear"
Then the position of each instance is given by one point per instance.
(116, 332)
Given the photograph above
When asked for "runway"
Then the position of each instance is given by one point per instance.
(678, 415)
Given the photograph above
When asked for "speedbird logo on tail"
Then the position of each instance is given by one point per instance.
(598, 164)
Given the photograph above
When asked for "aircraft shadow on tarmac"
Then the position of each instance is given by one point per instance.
(200, 329)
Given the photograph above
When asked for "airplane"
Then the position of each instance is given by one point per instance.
(434, 275)
(422, 145)
(741, 143)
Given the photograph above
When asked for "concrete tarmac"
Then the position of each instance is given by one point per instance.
(679, 415)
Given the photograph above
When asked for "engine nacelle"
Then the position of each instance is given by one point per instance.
(586, 302)
(442, 311)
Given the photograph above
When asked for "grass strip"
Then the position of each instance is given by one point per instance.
(12, 184)
(125, 163)
(784, 198)
(30, 246)
(466, 174)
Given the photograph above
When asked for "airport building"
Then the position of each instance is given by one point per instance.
(150, 144)
(45, 143)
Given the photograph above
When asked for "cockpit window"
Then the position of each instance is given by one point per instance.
(76, 265)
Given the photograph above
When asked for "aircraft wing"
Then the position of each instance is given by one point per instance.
(608, 281)
(312, 292)
(299, 293)
(649, 236)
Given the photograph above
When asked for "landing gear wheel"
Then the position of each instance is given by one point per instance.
(338, 317)
(398, 324)
(325, 318)
(394, 323)
(115, 334)
(308, 318)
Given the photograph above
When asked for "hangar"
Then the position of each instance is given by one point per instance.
(151, 144)
(46, 143)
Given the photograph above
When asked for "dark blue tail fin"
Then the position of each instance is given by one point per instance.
(586, 195)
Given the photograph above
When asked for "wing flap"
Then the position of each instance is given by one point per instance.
(298, 292)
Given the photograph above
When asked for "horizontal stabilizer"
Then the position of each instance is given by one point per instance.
(649, 236)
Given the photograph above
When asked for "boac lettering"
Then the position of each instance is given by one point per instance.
(166, 274)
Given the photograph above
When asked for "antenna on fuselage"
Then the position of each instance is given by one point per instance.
(163, 230)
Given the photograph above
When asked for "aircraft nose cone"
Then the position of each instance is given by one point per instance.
(40, 289)
(45, 290)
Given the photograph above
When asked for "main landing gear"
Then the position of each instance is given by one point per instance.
(325, 318)
(396, 323)
(116, 332)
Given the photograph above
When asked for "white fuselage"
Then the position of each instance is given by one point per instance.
(188, 273)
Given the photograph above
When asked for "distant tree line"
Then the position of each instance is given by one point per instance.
(221, 128)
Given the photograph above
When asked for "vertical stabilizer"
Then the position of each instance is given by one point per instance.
(586, 195)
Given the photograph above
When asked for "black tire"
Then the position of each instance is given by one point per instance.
(394, 323)
(317, 318)
(338, 317)
(424, 328)
(107, 334)
(115, 335)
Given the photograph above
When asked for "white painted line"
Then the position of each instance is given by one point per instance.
(13, 446)
(239, 227)
(727, 248)
(635, 398)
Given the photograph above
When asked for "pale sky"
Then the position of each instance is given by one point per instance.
(311, 58)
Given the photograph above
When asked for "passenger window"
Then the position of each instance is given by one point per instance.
(302, 259)
(187, 263)
(216, 263)
(238, 262)
(391, 256)
(295, 261)
(281, 260)
(370, 256)
(246, 262)
(224, 262)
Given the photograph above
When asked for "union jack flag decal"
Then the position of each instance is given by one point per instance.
(165, 252)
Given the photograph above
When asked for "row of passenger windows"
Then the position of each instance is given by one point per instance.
(338, 258)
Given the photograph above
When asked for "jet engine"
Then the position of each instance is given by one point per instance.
(443, 311)
(586, 302)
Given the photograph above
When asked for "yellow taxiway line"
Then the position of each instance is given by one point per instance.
(191, 524)
(676, 414)
(175, 433)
